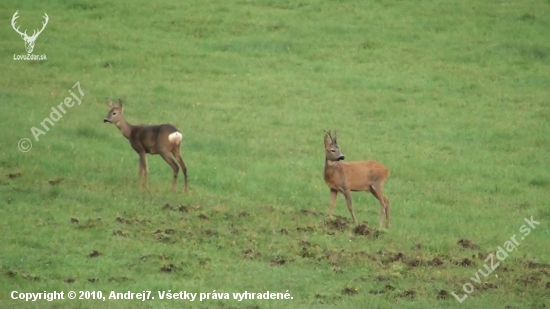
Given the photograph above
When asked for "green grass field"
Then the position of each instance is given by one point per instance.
(452, 96)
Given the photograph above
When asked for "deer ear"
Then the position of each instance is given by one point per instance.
(327, 141)
(120, 104)
(109, 102)
(335, 138)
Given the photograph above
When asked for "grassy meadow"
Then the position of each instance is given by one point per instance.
(452, 96)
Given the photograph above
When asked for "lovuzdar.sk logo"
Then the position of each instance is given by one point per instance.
(29, 40)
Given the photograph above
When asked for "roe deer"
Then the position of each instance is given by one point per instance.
(153, 139)
(347, 177)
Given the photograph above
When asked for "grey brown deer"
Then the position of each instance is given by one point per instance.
(347, 177)
(163, 139)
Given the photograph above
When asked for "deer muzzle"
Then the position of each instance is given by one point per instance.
(106, 120)
(341, 158)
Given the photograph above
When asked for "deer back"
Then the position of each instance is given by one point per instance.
(152, 139)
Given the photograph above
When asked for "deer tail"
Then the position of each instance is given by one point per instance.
(175, 137)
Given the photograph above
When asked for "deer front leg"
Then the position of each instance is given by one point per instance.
(333, 195)
(146, 172)
(140, 173)
(143, 170)
(349, 202)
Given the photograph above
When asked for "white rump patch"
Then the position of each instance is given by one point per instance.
(175, 137)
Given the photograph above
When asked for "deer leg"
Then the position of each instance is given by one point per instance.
(347, 194)
(174, 166)
(384, 206)
(142, 168)
(140, 173)
(333, 194)
(146, 172)
(387, 202)
(177, 155)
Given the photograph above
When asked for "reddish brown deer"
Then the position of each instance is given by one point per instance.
(347, 177)
(153, 139)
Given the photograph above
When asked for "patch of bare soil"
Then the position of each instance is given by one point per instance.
(210, 233)
(120, 233)
(387, 288)
(169, 268)
(134, 221)
(362, 230)
(90, 223)
(55, 182)
(467, 244)
(30, 277)
(409, 294)
(443, 295)
(243, 214)
(337, 224)
(13, 175)
(350, 291)
(529, 279)
(278, 262)
(119, 279)
(382, 278)
(463, 262)
(305, 229)
(250, 254)
(533, 264)
(311, 251)
(94, 253)
(306, 212)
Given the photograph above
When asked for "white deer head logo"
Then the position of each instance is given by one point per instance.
(29, 40)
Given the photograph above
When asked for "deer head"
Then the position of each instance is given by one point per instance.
(115, 113)
(333, 152)
(29, 40)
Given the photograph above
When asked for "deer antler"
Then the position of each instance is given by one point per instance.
(13, 25)
(328, 133)
(43, 26)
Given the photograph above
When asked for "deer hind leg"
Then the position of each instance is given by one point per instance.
(384, 205)
(174, 166)
(333, 195)
(387, 202)
(177, 155)
(349, 202)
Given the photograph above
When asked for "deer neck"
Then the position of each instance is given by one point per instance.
(330, 166)
(124, 127)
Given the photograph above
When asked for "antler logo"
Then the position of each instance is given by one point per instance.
(29, 40)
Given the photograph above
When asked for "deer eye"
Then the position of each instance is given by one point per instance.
(114, 114)
(332, 150)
